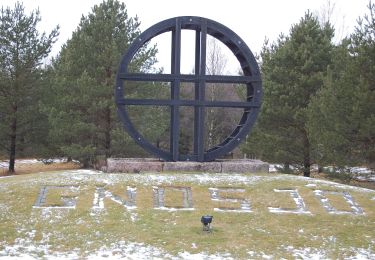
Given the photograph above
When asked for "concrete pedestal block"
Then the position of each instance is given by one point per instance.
(135, 165)
(139, 165)
(192, 166)
(244, 166)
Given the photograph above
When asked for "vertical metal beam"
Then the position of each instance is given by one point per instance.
(200, 69)
(175, 90)
(197, 110)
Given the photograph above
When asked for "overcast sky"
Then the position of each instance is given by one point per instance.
(252, 20)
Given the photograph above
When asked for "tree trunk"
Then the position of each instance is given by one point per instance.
(306, 156)
(108, 133)
(371, 155)
(287, 167)
(211, 117)
(13, 136)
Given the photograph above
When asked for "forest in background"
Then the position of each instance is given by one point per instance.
(318, 103)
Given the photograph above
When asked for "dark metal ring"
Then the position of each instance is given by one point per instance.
(251, 77)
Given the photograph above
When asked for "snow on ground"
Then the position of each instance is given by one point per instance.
(27, 248)
(199, 178)
(363, 173)
(5, 163)
(119, 250)
(359, 173)
(151, 179)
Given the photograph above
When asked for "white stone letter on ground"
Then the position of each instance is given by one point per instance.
(68, 201)
(101, 193)
(159, 193)
(356, 209)
(244, 203)
(300, 204)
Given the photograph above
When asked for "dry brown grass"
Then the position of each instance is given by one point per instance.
(40, 167)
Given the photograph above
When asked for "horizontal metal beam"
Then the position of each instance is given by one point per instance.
(189, 78)
(196, 103)
(233, 104)
(145, 102)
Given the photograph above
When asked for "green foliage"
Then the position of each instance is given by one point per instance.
(293, 71)
(152, 122)
(82, 112)
(22, 50)
(342, 117)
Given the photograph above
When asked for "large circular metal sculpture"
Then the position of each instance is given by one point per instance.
(251, 77)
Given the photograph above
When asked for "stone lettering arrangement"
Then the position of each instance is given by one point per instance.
(297, 204)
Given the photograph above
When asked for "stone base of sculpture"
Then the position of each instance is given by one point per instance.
(139, 165)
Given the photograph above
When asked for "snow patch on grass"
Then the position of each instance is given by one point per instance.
(308, 253)
(228, 179)
(26, 247)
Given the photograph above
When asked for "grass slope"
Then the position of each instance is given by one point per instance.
(116, 231)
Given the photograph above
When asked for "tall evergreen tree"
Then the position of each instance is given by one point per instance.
(293, 69)
(342, 116)
(82, 114)
(22, 50)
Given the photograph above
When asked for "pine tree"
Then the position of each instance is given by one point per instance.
(82, 114)
(22, 49)
(293, 69)
(342, 117)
